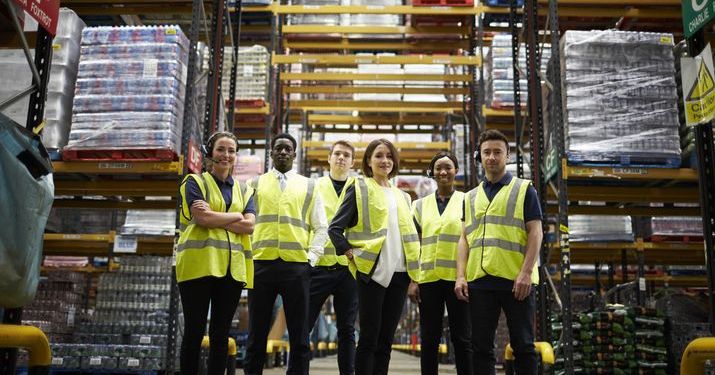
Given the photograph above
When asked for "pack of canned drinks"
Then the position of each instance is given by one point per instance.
(620, 98)
(500, 71)
(127, 330)
(142, 106)
(251, 73)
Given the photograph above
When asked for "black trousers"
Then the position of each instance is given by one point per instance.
(380, 310)
(224, 294)
(292, 281)
(485, 307)
(434, 296)
(337, 281)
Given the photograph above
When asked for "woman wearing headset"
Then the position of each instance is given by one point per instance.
(213, 256)
(438, 220)
(374, 228)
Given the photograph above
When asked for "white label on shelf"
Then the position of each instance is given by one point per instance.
(376, 7)
(150, 68)
(70, 316)
(57, 361)
(114, 165)
(125, 244)
(145, 340)
(308, 61)
(133, 362)
(630, 170)
(440, 8)
(442, 61)
(71, 236)
(311, 7)
(364, 60)
(95, 361)
(641, 284)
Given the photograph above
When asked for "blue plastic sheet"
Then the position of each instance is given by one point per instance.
(27, 193)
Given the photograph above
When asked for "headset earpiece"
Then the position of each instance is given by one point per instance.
(477, 157)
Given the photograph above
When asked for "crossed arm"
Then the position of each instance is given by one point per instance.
(235, 222)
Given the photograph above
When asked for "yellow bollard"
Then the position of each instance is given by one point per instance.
(30, 338)
(544, 349)
(696, 353)
(232, 351)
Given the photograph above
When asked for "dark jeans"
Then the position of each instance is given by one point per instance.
(224, 294)
(337, 281)
(485, 307)
(433, 297)
(380, 310)
(292, 281)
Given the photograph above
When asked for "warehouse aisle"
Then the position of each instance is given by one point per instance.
(401, 363)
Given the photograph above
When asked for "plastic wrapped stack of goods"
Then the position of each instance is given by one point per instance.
(316, 19)
(379, 69)
(60, 89)
(376, 19)
(608, 342)
(138, 112)
(61, 297)
(437, 69)
(677, 228)
(127, 329)
(594, 228)
(149, 223)
(500, 72)
(86, 220)
(251, 75)
(620, 98)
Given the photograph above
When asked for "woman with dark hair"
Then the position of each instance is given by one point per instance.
(438, 220)
(213, 255)
(374, 228)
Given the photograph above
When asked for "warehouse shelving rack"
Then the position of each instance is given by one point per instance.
(315, 45)
(126, 184)
(627, 191)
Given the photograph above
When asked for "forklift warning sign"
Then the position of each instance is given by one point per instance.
(698, 87)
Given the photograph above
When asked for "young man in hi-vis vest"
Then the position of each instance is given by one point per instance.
(331, 276)
(497, 257)
(288, 209)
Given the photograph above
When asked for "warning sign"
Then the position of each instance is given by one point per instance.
(698, 87)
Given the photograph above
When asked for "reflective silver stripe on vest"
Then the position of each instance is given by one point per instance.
(411, 237)
(274, 243)
(366, 255)
(308, 198)
(475, 223)
(262, 219)
(329, 251)
(243, 188)
(502, 244)
(365, 207)
(365, 236)
(513, 195)
(431, 240)
(504, 220)
(444, 263)
(209, 242)
(413, 265)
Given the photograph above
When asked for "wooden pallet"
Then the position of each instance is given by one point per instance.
(141, 154)
(678, 239)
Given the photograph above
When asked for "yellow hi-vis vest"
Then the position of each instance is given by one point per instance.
(496, 232)
(331, 202)
(205, 251)
(282, 229)
(370, 232)
(440, 235)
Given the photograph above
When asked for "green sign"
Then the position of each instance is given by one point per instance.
(696, 14)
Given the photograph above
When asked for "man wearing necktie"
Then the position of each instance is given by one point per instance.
(288, 240)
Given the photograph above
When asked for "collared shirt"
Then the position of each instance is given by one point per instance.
(532, 211)
(318, 222)
(193, 193)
